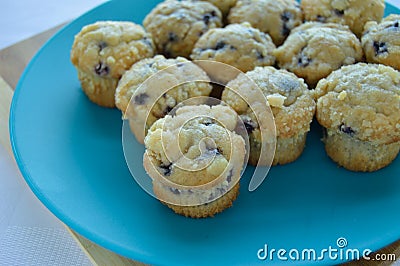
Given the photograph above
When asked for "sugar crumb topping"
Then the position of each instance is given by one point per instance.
(276, 100)
(342, 96)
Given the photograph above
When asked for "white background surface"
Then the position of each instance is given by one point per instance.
(22, 19)
(29, 233)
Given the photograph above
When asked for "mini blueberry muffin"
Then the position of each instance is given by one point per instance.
(313, 50)
(103, 51)
(381, 42)
(275, 17)
(154, 86)
(176, 26)
(238, 45)
(195, 159)
(292, 105)
(359, 105)
(354, 13)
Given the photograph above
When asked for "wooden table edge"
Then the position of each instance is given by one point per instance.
(96, 254)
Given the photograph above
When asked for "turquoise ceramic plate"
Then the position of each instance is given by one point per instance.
(70, 153)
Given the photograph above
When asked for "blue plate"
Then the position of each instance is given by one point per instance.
(70, 153)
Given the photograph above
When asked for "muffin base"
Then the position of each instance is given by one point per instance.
(208, 209)
(99, 90)
(357, 155)
(287, 150)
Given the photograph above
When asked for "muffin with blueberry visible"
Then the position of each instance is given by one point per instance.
(154, 86)
(195, 159)
(381, 41)
(353, 13)
(223, 5)
(359, 106)
(177, 25)
(275, 17)
(313, 50)
(292, 105)
(238, 45)
(103, 51)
